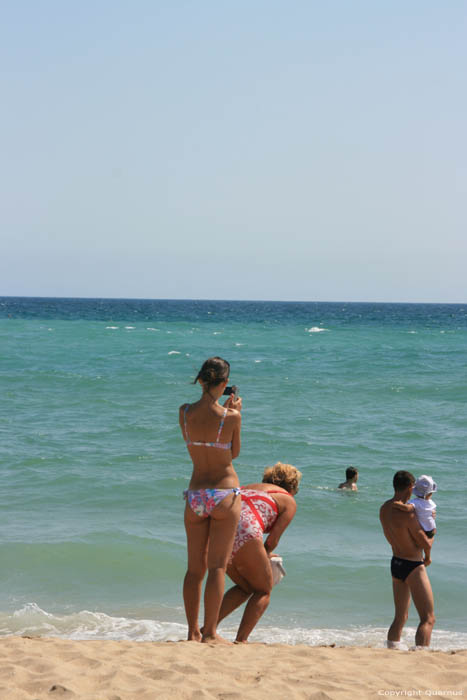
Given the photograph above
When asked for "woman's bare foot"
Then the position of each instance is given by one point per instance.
(215, 639)
(194, 636)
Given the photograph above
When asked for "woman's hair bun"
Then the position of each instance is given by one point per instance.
(214, 371)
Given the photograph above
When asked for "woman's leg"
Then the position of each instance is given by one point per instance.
(252, 563)
(224, 520)
(236, 595)
(197, 534)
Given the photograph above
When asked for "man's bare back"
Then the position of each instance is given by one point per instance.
(403, 532)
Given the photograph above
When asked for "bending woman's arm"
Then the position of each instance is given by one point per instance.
(282, 522)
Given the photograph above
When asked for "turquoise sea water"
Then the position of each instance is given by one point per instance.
(92, 464)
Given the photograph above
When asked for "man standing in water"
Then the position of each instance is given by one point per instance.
(408, 568)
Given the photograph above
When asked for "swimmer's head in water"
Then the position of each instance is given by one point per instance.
(350, 472)
(214, 371)
(284, 475)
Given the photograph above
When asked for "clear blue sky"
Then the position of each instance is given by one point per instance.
(234, 150)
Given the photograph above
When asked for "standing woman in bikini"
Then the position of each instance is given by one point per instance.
(212, 436)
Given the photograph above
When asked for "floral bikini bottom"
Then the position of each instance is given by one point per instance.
(203, 501)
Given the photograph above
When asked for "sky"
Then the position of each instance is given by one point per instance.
(256, 149)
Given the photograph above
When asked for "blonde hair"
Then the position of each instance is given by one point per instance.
(284, 475)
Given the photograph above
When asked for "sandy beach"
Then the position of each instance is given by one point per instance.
(39, 668)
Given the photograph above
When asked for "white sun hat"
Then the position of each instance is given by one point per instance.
(424, 485)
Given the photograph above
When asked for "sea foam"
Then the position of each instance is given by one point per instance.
(32, 620)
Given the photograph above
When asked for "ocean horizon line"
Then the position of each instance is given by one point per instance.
(235, 301)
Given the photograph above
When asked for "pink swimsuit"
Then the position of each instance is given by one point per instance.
(258, 515)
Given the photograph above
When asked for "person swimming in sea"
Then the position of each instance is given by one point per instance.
(351, 476)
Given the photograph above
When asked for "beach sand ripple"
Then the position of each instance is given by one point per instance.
(42, 669)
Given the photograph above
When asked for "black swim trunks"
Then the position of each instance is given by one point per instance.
(401, 568)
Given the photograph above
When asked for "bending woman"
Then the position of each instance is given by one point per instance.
(268, 507)
(212, 436)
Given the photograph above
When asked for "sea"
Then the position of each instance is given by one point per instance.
(93, 464)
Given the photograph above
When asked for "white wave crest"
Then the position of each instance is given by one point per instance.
(32, 620)
(174, 352)
(316, 329)
(111, 328)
